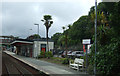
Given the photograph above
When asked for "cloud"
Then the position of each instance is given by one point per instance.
(19, 17)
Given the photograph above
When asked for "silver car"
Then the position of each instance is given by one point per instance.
(77, 53)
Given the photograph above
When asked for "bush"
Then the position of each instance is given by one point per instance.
(65, 61)
(81, 57)
(49, 54)
(107, 58)
(90, 69)
(42, 55)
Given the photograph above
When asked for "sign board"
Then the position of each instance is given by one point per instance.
(86, 41)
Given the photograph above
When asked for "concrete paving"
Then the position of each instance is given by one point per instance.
(46, 67)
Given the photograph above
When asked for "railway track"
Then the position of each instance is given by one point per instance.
(12, 66)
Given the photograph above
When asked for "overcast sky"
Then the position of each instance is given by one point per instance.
(19, 17)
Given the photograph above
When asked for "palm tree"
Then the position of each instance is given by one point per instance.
(47, 22)
(63, 28)
(69, 26)
(63, 32)
(65, 39)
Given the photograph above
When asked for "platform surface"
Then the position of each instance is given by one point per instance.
(46, 67)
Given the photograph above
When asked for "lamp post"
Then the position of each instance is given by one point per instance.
(38, 27)
(29, 33)
(95, 35)
(37, 40)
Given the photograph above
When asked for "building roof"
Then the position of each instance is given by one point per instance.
(7, 36)
(5, 41)
(29, 41)
(22, 41)
(43, 39)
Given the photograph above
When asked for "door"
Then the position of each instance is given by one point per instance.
(43, 47)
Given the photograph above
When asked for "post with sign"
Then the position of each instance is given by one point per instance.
(85, 42)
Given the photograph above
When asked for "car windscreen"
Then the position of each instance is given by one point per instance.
(79, 52)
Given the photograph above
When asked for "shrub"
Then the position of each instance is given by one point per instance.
(42, 54)
(107, 58)
(81, 57)
(49, 54)
(65, 61)
(90, 69)
(71, 60)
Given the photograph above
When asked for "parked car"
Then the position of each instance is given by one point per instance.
(64, 53)
(60, 52)
(77, 53)
(69, 54)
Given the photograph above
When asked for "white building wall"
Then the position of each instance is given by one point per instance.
(37, 47)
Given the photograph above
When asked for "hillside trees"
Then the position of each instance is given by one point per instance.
(56, 38)
(108, 39)
(107, 42)
(77, 31)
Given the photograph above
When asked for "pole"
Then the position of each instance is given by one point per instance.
(95, 35)
(66, 43)
(86, 58)
(47, 39)
(37, 40)
(38, 30)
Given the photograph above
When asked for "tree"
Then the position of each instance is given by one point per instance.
(69, 26)
(107, 58)
(65, 32)
(56, 37)
(77, 31)
(32, 37)
(61, 41)
(47, 22)
(63, 28)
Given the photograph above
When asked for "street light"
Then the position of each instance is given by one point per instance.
(37, 40)
(38, 27)
(29, 31)
(95, 35)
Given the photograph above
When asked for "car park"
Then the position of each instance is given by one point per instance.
(60, 52)
(69, 53)
(64, 53)
(77, 53)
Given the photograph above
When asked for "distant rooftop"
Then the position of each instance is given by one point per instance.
(23, 40)
(7, 36)
(43, 39)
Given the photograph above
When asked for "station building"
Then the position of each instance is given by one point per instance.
(5, 42)
(31, 48)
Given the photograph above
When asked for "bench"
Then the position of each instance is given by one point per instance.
(77, 64)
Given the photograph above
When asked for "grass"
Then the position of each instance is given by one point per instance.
(55, 60)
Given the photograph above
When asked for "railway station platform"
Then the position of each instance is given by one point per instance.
(46, 67)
